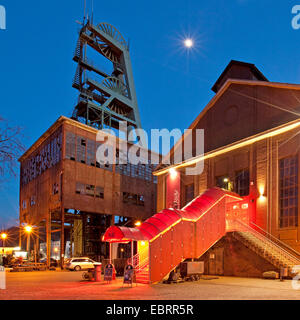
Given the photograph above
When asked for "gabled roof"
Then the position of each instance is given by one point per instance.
(219, 94)
(226, 73)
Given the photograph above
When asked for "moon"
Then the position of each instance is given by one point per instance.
(188, 43)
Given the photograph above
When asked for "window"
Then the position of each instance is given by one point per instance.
(288, 194)
(134, 199)
(80, 188)
(90, 152)
(189, 193)
(99, 192)
(80, 150)
(222, 182)
(242, 182)
(55, 188)
(24, 204)
(32, 201)
(47, 156)
(90, 190)
(141, 200)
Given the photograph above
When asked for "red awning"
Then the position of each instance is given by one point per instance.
(123, 234)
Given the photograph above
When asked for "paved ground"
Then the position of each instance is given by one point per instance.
(68, 285)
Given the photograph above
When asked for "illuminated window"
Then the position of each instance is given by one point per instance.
(242, 182)
(288, 194)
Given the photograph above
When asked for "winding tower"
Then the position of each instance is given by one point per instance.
(105, 98)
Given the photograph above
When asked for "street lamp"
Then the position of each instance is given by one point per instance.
(3, 237)
(28, 230)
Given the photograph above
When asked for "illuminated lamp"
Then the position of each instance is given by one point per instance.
(138, 223)
(262, 193)
(28, 229)
(173, 173)
(3, 236)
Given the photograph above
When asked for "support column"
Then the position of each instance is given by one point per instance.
(48, 239)
(132, 252)
(110, 258)
(62, 238)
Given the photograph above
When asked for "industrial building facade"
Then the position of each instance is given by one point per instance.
(65, 190)
(251, 147)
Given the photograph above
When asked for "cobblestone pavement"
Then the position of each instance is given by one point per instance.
(70, 286)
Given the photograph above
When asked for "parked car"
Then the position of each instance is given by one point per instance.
(81, 263)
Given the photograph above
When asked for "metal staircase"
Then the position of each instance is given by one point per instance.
(141, 265)
(267, 246)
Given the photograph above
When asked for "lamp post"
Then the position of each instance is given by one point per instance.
(28, 230)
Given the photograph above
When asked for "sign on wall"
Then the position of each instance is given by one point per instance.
(173, 190)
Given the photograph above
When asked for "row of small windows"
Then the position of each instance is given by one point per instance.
(46, 157)
(32, 200)
(84, 150)
(89, 190)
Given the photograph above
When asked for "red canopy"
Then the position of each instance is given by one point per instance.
(123, 234)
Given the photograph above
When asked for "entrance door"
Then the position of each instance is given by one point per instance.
(216, 262)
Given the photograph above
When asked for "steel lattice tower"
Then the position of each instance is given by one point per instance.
(104, 99)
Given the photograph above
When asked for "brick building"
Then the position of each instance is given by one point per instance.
(251, 147)
(69, 196)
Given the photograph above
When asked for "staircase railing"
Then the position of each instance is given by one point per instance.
(267, 241)
(136, 259)
(274, 239)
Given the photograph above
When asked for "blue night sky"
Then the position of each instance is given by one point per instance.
(173, 84)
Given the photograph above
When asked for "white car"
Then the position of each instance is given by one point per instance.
(81, 263)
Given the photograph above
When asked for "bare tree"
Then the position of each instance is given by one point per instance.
(11, 148)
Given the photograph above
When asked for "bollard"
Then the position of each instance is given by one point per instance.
(97, 273)
(283, 273)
